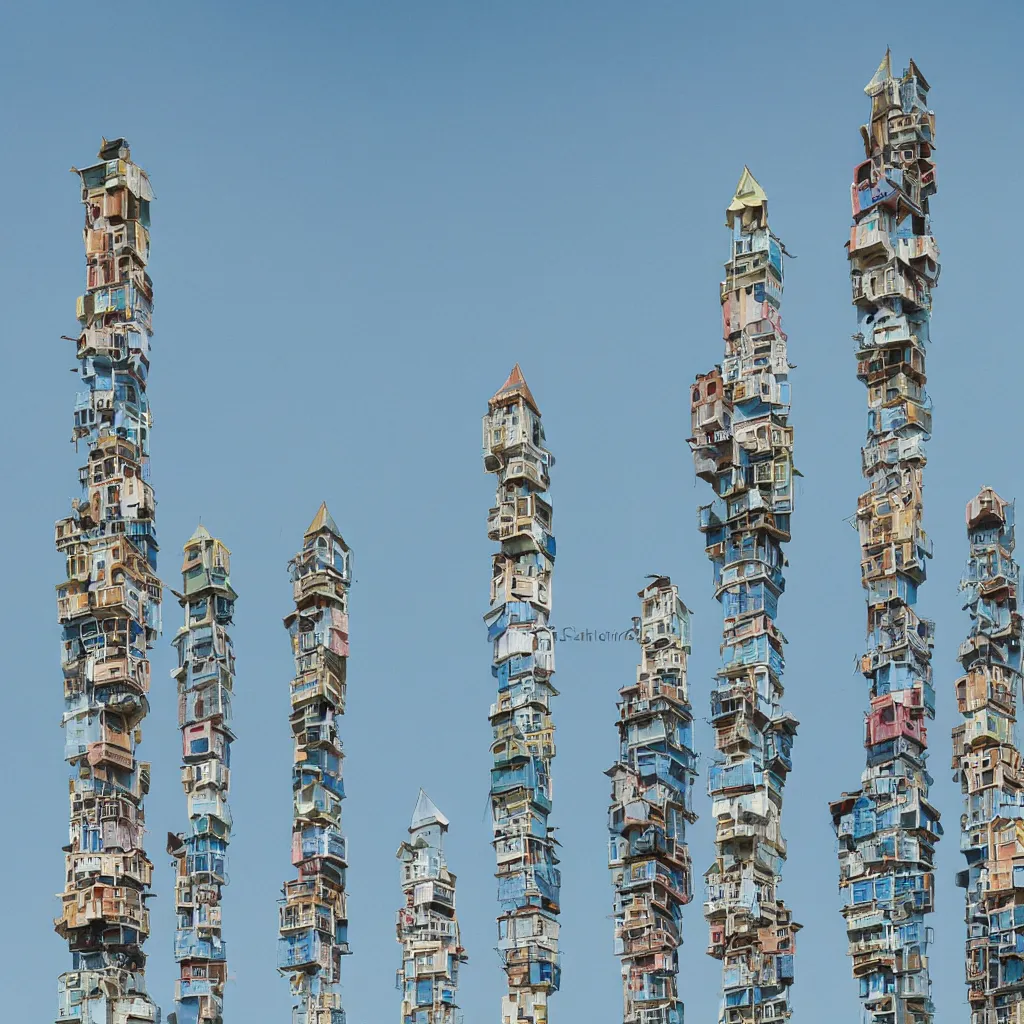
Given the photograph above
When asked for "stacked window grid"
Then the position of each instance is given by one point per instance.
(986, 757)
(887, 830)
(523, 745)
(109, 608)
(313, 914)
(427, 926)
(651, 805)
(743, 447)
(205, 678)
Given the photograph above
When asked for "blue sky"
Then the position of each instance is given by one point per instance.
(366, 213)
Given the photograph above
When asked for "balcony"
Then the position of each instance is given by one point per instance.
(317, 584)
(72, 606)
(870, 237)
(110, 909)
(307, 915)
(109, 753)
(654, 940)
(304, 950)
(188, 946)
(527, 469)
(323, 686)
(311, 844)
(213, 865)
(116, 599)
(711, 516)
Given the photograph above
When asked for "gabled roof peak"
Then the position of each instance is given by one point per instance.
(748, 196)
(748, 192)
(515, 386)
(914, 71)
(323, 521)
(426, 813)
(986, 505)
(882, 74)
(204, 538)
(202, 533)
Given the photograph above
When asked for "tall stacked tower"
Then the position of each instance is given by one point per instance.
(652, 800)
(109, 608)
(427, 927)
(205, 676)
(314, 919)
(887, 829)
(743, 447)
(986, 756)
(524, 662)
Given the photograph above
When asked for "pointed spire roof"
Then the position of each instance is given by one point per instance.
(515, 386)
(323, 520)
(916, 72)
(426, 813)
(749, 203)
(748, 193)
(987, 505)
(882, 74)
(202, 533)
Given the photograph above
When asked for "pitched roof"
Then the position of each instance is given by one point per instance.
(426, 813)
(987, 505)
(322, 521)
(202, 533)
(882, 74)
(914, 70)
(515, 386)
(748, 193)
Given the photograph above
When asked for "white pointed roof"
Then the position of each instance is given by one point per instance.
(426, 813)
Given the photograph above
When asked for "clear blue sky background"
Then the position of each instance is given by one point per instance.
(366, 213)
